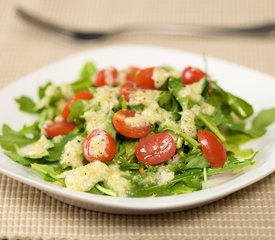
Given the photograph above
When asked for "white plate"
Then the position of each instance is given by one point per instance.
(257, 88)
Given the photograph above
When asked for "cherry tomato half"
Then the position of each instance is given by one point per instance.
(191, 75)
(156, 149)
(212, 148)
(144, 78)
(130, 74)
(130, 124)
(99, 146)
(85, 95)
(126, 89)
(107, 76)
(59, 128)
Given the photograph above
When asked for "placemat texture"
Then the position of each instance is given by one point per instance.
(27, 213)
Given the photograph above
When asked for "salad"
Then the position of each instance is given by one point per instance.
(135, 132)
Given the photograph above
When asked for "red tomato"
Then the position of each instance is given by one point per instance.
(212, 148)
(131, 73)
(126, 89)
(129, 125)
(85, 95)
(107, 76)
(99, 146)
(144, 78)
(156, 149)
(192, 75)
(59, 128)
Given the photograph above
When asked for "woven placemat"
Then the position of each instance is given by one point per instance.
(27, 213)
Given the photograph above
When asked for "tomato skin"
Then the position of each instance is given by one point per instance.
(126, 89)
(191, 75)
(127, 130)
(212, 148)
(85, 95)
(156, 149)
(107, 76)
(59, 128)
(130, 74)
(144, 78)
(106, 154)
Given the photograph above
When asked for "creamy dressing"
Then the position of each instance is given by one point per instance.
(159, 77)
(193, 91)
(86, 177)
(38, 149)
(152, 111)
(106, 98)
(136, 121)
(98, 145)
(72, 155)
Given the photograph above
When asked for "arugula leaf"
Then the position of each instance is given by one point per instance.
(242, 108)
(85, 79)
(19, 159)
(48, 172)
(177, 131)
(175, 86)
(56, 152)
(167, 101)
(11, 138)
(76, 110)
(231, 166)
(207, 122)
(261, 122)
(239, 106)
(26, 104)
(42, 90)
(161, 190)
(186, 182)
(109, 125)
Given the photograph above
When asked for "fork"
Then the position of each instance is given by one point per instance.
(264, 30)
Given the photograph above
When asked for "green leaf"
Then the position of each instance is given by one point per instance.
(85, 79)
(48, 172)
(175, 86)
(261, 122)
(177, 131)
(198, 161)
(242, 108)
(42, 89)
(26, 104)
(19, 159)
(109, 124)
(11, 138)
(207, 121)
(76, 110)
(33, 130)
(56, 152)
(168, 102)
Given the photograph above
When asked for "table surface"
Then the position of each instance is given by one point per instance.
(27, 213)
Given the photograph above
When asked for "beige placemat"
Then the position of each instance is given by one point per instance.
(27, 213)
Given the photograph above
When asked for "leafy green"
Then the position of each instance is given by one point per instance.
(48, 172)
(175, 86)
(11, 138)
(85, 79)
(56, 152)
(26, 104)
(207, 121)
(77, 109)
(261, 122)
(42, 90)
(167, 101)
(186, 182)
(239, 106)
(19, 159)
